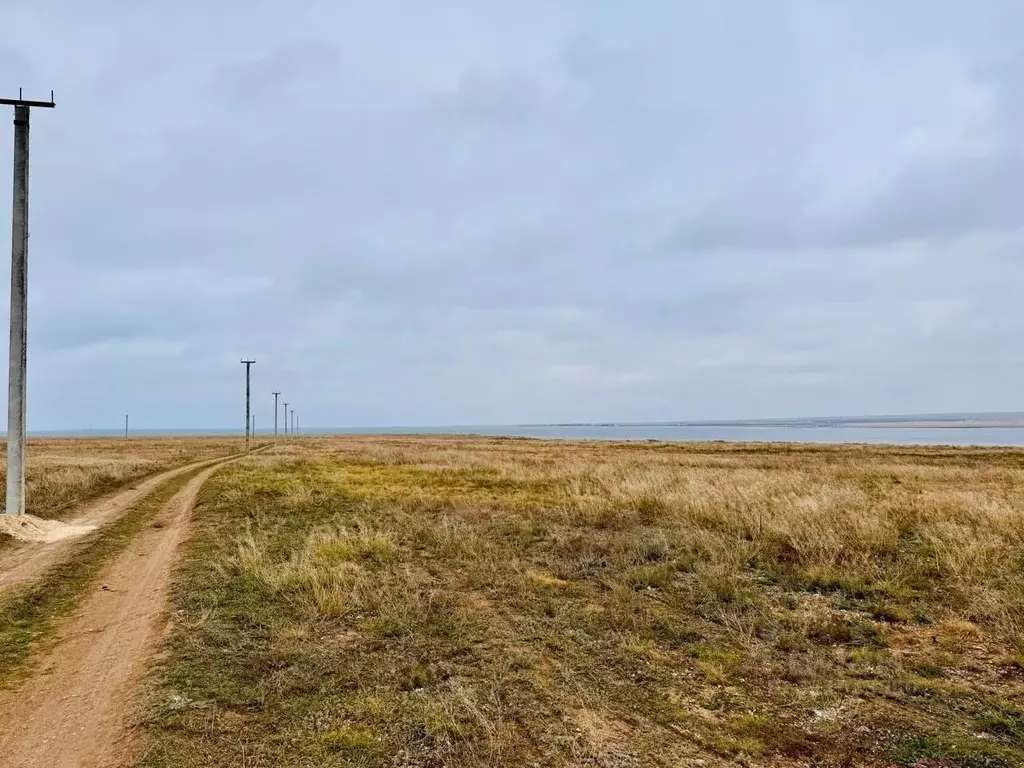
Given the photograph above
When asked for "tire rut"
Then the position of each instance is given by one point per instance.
(27, 561)
(79, 707)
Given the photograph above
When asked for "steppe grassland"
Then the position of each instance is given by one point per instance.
(461, 601)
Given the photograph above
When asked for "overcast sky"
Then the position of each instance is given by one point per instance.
(478, 211)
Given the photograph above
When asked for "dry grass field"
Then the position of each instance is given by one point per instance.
(62, 473)
(471, 602)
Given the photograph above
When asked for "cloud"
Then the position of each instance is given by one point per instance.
(498, 212)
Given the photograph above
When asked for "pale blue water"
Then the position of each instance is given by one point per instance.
(1009, 436)
(884, 435)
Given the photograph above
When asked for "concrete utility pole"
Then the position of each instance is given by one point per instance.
(286, 419)
(248, 423)
(275, 394)
(16, 389)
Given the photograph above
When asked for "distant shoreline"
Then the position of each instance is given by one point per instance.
(934, 425)
(744, 430)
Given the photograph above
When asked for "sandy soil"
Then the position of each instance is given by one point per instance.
(79, 708)
(35, 529)
(29, 559)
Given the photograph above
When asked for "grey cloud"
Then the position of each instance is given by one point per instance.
(271, 75)
(496, 100)
(470, 212)
(936, 199)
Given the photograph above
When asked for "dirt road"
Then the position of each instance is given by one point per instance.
(77, 710)
(28, 560)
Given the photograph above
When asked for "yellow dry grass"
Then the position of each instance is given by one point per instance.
(459, 601)
(63, 473)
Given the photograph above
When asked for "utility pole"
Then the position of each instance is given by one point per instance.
(286, 419)
(275, 394)
(248, 424)
(18, 360)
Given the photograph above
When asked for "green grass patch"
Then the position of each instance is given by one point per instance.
(940, 751)
(353, 740)
(652, 576)
(1007, 725)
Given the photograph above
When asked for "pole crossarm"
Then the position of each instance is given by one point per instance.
(20, 102)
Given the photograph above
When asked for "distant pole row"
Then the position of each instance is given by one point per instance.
(287, 414)
(250, 418)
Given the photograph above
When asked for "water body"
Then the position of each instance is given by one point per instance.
(988, 436)
(761, 434)
(884, 435)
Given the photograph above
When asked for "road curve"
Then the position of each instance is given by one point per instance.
(78, 708)
(26, 561)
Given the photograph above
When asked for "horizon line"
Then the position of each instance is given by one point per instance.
(951, 416)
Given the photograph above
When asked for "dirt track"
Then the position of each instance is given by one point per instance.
(78, 709)
(26, 561)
